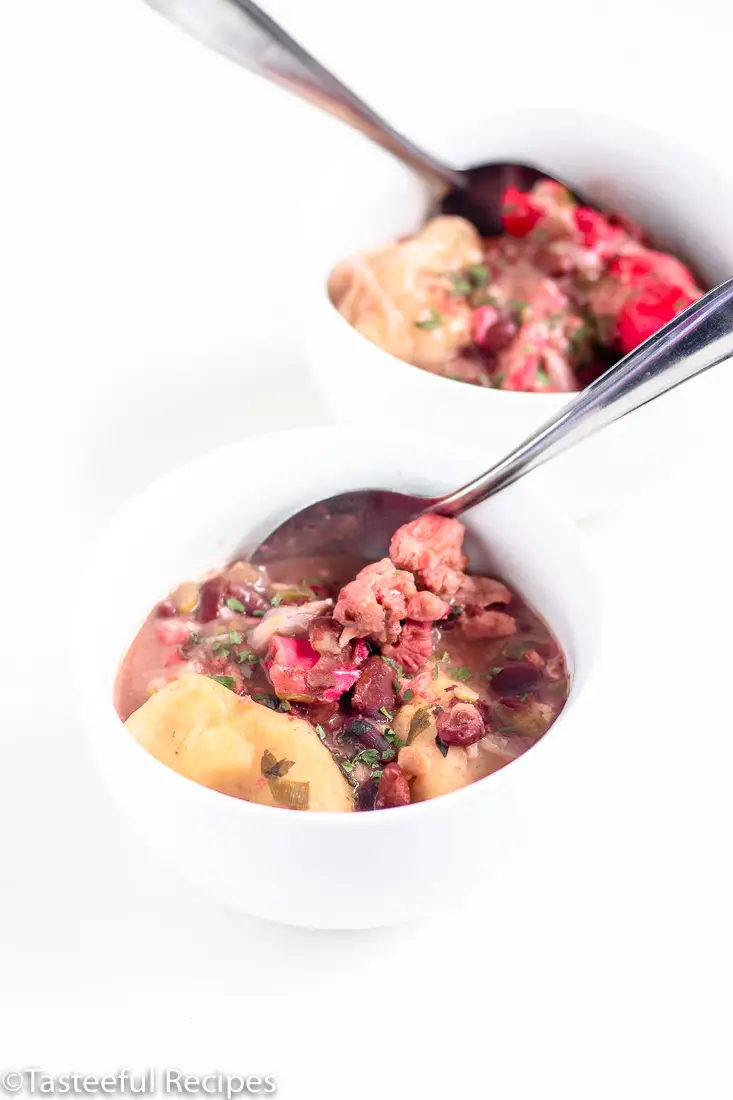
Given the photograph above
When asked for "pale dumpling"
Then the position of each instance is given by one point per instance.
(204, 731)
(400, 296)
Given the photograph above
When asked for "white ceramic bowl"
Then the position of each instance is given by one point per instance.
(368, 198)
(321, 870)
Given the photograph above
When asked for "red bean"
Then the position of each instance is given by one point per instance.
(369, 737)
(166, 609)
(327, 715)
(461, 724)
(210, 599)
(516, 678)
(248, 597)
(394, 790)
(366, 795)
(374, 688)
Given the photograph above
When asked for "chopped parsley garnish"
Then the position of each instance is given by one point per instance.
(235, 637)
(234, 604)
(407, 695)
(225, 681)
(258, 614)
(369, 757)
(388, 754)
(495, 670)
(460, 283)
(460, 673)
(516, 650)
(248, 656)
(378, 773)
(321, 732)
(478, 274)
(285, 705)
(394, 740)
(542, 376)
(386, 713)
(445, 656)
(272, 768)
(436, 672)
(432, 322)
(419, 721)
(276, 599)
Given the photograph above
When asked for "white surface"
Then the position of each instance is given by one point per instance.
(327, 870)
(600, 966)
(661, 184)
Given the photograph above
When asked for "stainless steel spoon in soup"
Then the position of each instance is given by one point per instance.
(243, 32)
(362, 522)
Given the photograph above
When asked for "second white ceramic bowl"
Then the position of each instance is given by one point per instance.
(369, 198)
(318, 869)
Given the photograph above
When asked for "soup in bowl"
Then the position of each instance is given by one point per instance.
(197, 644)
(418, 320)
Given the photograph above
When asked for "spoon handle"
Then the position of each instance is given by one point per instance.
(696, 340)
(244, 33)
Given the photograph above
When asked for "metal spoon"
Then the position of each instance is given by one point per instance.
(362, 522)
(243, 32)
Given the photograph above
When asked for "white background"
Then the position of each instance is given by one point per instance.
(146, 188)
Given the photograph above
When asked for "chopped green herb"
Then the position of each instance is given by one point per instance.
(276, 599)
(407, 695)
(478, 274)
(258, 614)
(516, 305)
(369, 757)
(432, 322)
(445, 656)
(234, 604)
(495, 670)
(420, 721)
(460, 283)
(248, 656)
(441, 746)
(436, 672)
(524, 697)
(235, 637)
(378, 773)
(388, 754)
(460, 673)
(386, 713)
(348, 766)
(498, 381)
(194, 639)
(485, 675)
(321, 732)
(542, 376)
(272, 768)
(225, 681)
(395, 741)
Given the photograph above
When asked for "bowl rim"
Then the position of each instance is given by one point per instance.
(99, 710)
